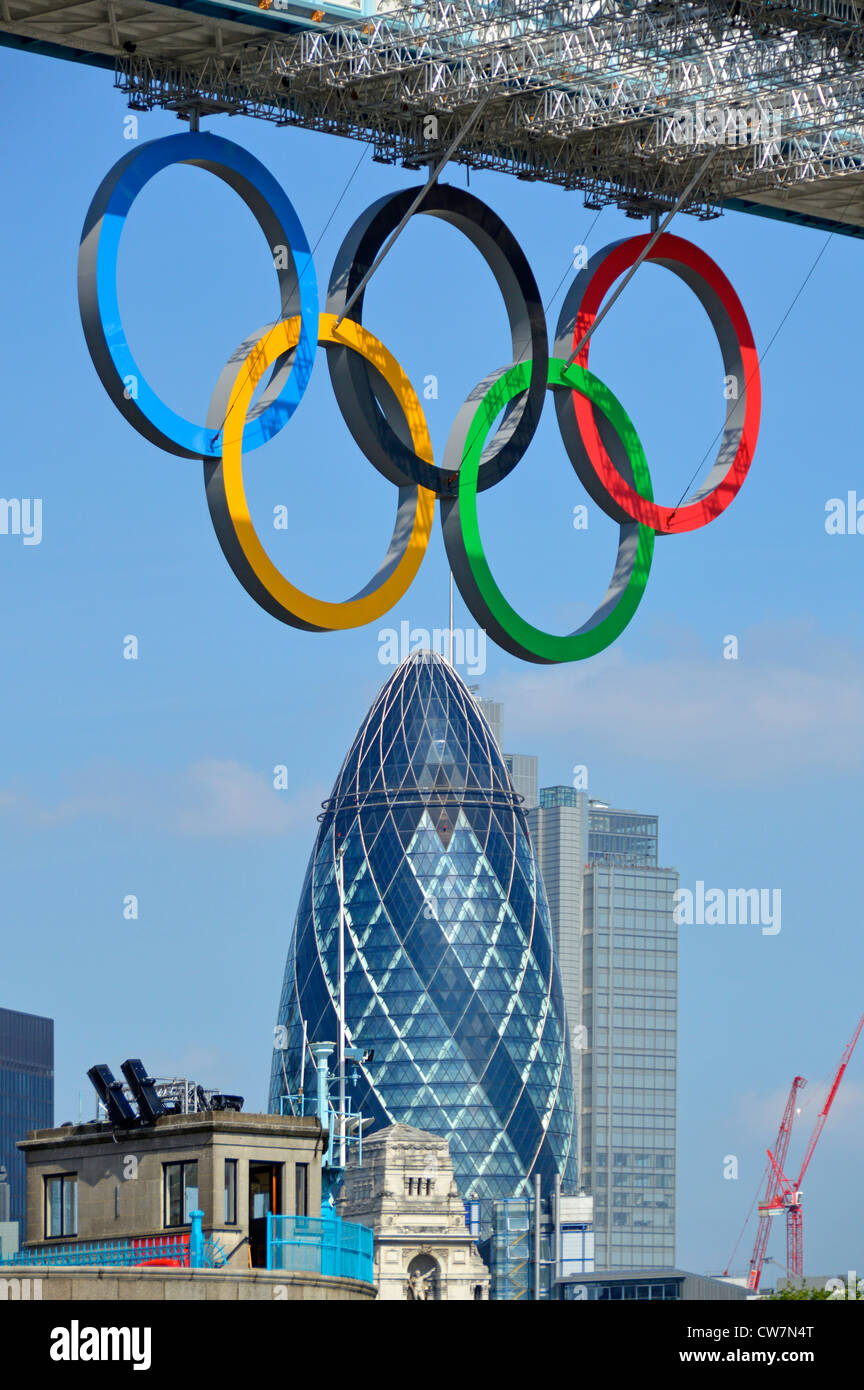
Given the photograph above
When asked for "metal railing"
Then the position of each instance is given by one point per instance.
(188, 1250)
(320, 1245)
(306, 1103)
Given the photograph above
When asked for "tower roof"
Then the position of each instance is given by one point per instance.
(424, 741)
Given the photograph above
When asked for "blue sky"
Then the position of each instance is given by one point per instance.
(155, 777)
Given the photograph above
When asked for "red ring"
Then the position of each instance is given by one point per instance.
(689, 517)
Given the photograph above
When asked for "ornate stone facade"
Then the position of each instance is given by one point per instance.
(406, 1191)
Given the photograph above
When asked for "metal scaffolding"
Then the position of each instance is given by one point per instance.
(621, 99)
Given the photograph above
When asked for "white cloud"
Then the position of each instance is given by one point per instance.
(210, 798)
(794, 700)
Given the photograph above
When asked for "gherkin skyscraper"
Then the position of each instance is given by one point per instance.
(450, 971)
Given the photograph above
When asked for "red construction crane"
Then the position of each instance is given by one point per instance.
(780, 1193)
(772, 1203)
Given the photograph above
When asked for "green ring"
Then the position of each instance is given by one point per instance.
(532, 643)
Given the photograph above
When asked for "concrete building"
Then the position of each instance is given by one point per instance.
(406, 1192)
(523, 774)
(94, 1183)
(26, 1097)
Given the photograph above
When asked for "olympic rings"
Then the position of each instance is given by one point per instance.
(100, 311)
(229, 511)
(385, 417)
(372, 428)
(465, 550)
(599, 467)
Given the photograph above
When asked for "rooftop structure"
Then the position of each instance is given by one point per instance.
(94, 1183)
(622, 101)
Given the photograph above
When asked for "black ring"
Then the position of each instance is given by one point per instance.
(368, 411)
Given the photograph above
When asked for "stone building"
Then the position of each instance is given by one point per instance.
(406, 1192)
(95, 1183)
(179, 1207)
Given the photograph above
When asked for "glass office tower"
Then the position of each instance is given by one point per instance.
(450, 973)
(26, 1094)
(612, 914)
(629, 1067)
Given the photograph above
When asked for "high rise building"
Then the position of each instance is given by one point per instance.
(559, 831)
(629, 1066)
(26, 1094)
(611, 908)
(452, 985)
(523, 774)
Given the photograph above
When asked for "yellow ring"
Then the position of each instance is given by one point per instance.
(229, 509)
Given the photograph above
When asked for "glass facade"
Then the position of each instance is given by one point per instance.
(630, 958)
(559, 796)
(450, 975)
(26, 1094)
(657, 1290)
(621, 837)
(611, 909)
(510, 1250)
(559, 831)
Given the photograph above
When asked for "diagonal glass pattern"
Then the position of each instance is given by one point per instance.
(451, 975)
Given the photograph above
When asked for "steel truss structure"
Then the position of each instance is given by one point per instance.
(621, 99)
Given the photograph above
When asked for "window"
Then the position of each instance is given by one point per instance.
(301, 1189)
(181, 1192)
(61, 1205)
(230, 1191)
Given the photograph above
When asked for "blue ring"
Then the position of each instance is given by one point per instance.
(100, 310)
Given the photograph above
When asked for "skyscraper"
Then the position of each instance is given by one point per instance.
(612, 913)
(450, 973)
(26, 1093)
(629, 1066)
(559, 831)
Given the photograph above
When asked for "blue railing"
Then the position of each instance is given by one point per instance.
(195, 1252)
(320, 1245)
